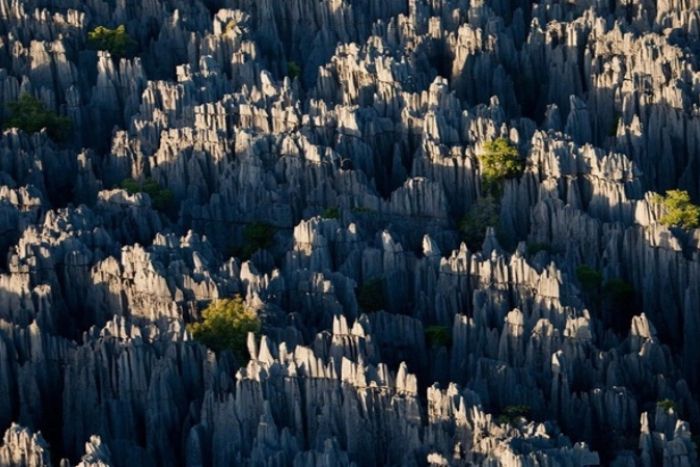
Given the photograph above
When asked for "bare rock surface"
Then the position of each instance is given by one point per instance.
(351, 132)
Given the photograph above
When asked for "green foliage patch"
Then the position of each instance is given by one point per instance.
(116, 41)
(293, 70)
(619, 292)
(667, 405)
(679, 211)
(485, 212)
(225, 326)
(589, 278)
(438, 336)
(258, 236)
(371, 296)
(29, 114)
(535, 247)
(162, 198)
(331, 213)
(512, 413)
(499, 160)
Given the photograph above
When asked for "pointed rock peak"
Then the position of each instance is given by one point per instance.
(430, 247)
(642, 327)
(340, 325)
(251, 344)
(552, 118)
(490, 245)
(515, 318)
(265, 353)
(96, 454)
(388, 243)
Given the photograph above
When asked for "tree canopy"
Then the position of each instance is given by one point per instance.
(499, 160)
(162, 198)
(370, 295)
(29, 114)
(116, 41)
(225, 326)
(482, 214)
(678, 210)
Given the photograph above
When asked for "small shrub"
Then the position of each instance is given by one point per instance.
(534, 248)
(499, 160)
(225, 325)
(258, 236)
(619, 292)
(361, 210)
(679, 211)
(370, 295)
(589, 278)
(29, 114)
(116, 41)
(293, 70)
(667, 405)
(619, 299)
(331, 213)
(438, 336)
(482, 214)
(162, 198)
(512, 413)
(131, 186)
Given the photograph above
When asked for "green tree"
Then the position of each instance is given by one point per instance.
(535, 247)
(116, 41)
(331, 213)
(499, 160)
(438, 336)
(678, 210)
(258, 236)
(293, 70)
(29, 114)
(482, 214)
(618, 296)
(667, 405)
(225, 326)
(512, 413)
(619, 292)
(162, 198)
(589, 278)
(370, 295)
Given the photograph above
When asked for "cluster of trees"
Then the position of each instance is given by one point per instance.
(615, 295)
(162, 198)
(679, 211)
(29, 114)
(513, 413)
(258, 236)
(499, 161)
(293, 70)
(371, 296)
(331, 213)
(116, 41)
(438, 336)
(225, 326)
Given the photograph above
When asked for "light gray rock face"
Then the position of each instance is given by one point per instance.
(318, 159)
(20, 447)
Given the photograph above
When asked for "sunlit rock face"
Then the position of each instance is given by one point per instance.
(323, 161)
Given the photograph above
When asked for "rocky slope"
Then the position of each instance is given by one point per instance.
(353, 128)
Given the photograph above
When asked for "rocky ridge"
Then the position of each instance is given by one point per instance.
(382, 124)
